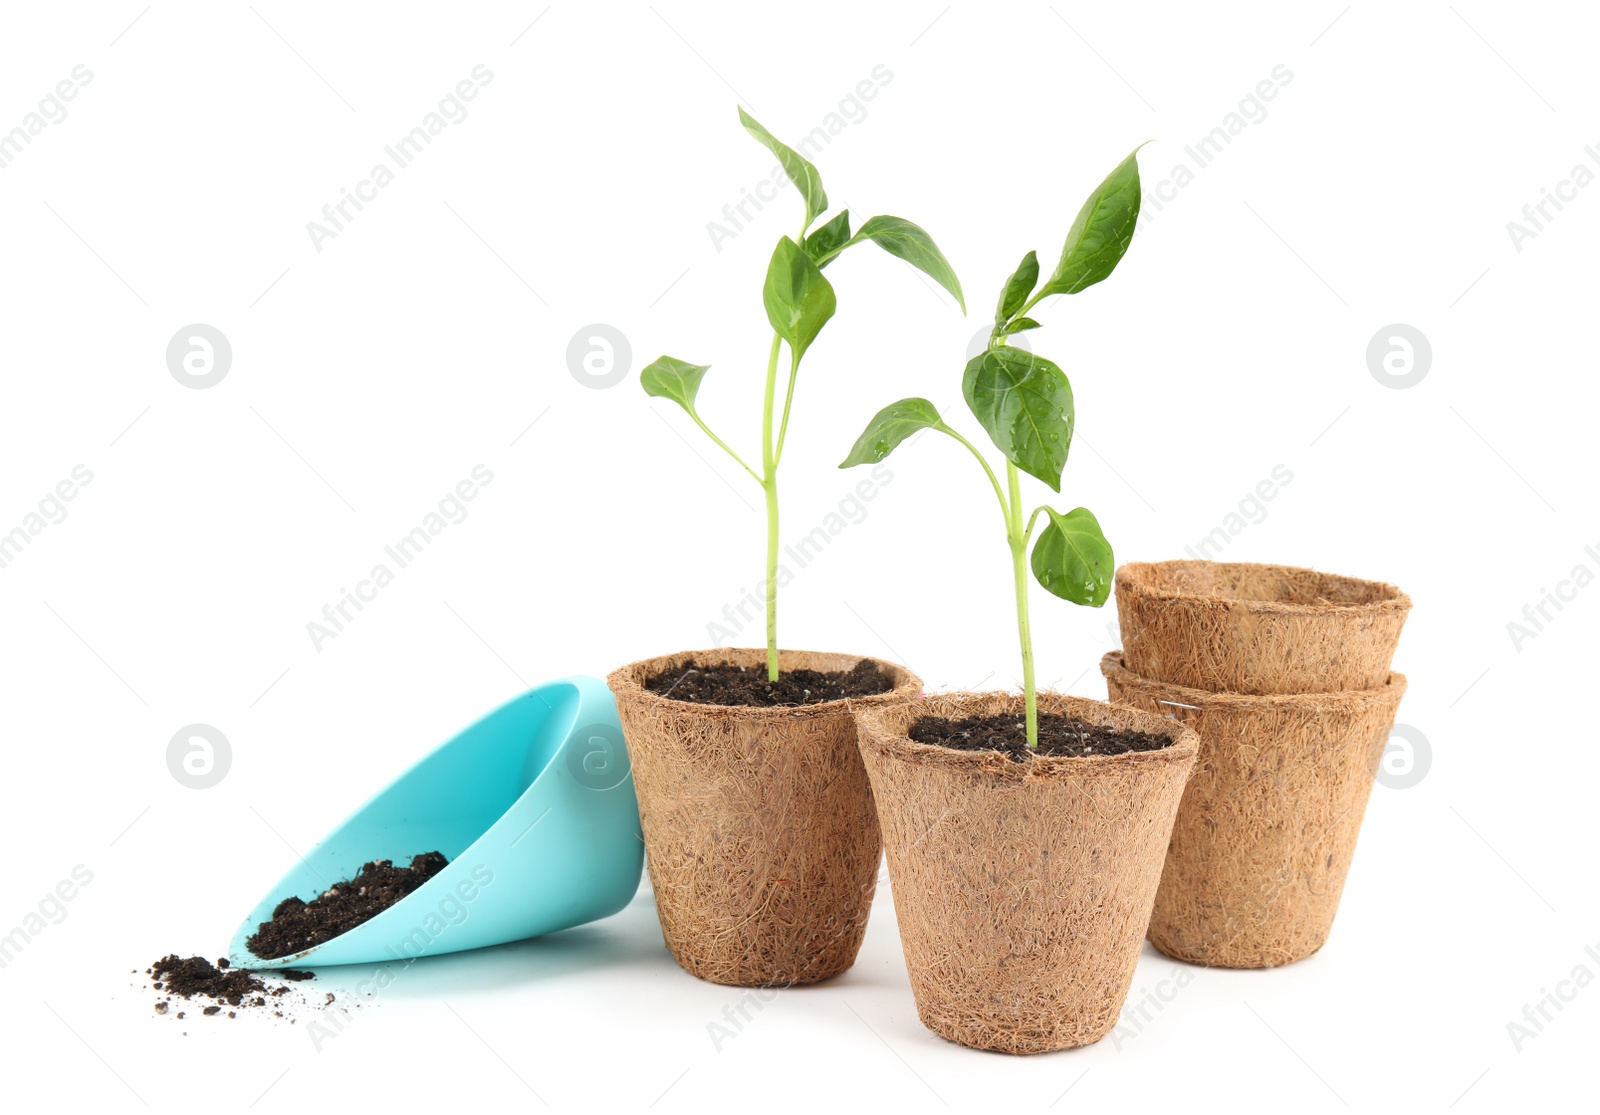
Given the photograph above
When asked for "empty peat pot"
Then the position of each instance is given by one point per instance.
(1269, 820)
(1238, 627)
(1022, 889)
(762, 840)
(533, 807)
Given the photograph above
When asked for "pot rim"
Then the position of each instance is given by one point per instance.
(1132, 578)
(1183, 746)
(1112, 665)
(628, 682)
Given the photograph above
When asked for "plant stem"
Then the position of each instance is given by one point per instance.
(1028, 305)
(1017, 539)
(726, 448)
(1005, 508)
(1027, 535)
(769, 484)
(788, 401)
(1019, 572)
(772, 581)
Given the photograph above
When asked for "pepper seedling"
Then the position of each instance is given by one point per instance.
(1024, 403)
(799, 302)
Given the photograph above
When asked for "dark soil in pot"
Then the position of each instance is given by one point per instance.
(733, 684)
(1059, 736)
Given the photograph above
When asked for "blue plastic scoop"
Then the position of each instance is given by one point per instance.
(534, 808)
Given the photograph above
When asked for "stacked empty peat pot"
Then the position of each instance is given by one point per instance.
(1284, 673)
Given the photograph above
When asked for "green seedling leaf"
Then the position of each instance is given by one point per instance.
(1072, 558)
(1021, 325)
(799, 300)
(1018, 287)
(671, 378)
(828, 240)
(899, 237)
(800, 172)
(1101, 234)
(889, 427)
(1025, 404)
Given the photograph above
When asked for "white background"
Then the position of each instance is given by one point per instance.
(425, 338)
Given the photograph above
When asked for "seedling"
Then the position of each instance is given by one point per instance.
(799, 301)
(1024, 402)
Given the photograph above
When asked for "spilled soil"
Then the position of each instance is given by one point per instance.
(194, 980)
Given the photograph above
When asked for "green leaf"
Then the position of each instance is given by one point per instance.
(1025, 404)
(1018, 287)
(899, 237)
(799, 300)
(1100, 236)
(829, 239)
(671, 378)
(1021, 325)
(889, 427)
(1073, 559)
(800, 172)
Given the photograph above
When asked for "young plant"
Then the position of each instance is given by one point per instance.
(799, 301)
(1024, 403)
